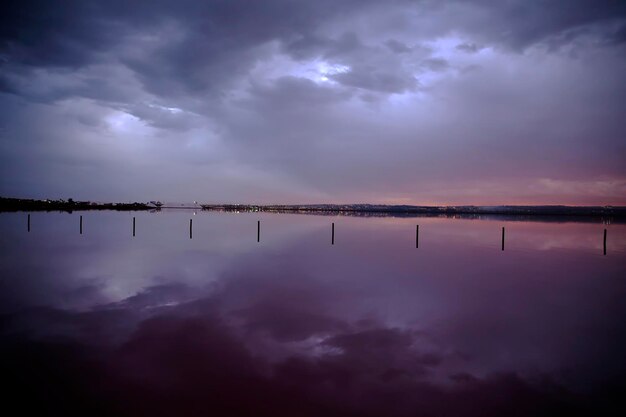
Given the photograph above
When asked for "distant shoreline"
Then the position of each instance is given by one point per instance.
(355, 209)
(21, 204)
(17, 204)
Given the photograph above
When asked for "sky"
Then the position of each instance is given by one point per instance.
(326, 101)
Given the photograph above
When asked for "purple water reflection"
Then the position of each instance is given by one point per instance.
(160, 324)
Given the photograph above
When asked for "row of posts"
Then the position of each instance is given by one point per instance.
(332, 238)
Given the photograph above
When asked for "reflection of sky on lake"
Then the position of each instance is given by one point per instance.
(369, 324)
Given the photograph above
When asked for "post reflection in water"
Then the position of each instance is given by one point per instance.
(159, 324)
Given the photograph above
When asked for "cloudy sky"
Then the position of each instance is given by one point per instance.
(285, 101)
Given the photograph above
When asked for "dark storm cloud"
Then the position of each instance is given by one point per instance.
(291, 93)
(206, 44)
(307, 45)
(407, 91)
(202, 45)
(43, 33)
(468, 47)
(397, 47)
(435, 64)
(520, 24)
(370, 78)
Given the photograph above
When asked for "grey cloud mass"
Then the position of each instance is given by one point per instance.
(476, 102)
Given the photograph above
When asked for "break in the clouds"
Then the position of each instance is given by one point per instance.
(477, 102)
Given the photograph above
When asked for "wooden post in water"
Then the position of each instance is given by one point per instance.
(258, 230)
(81, 224)
(417, 236)
(332, 241)
(28, 223)
(503, 238)
(605, 241)
(190, 228)
(133, 227)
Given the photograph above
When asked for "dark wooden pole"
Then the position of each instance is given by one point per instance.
(190, 228)
(81, 224)
(332, 241)
(417, 236)
(133, 227)
(605, 241)
(258, 230)
(28, 223)
(502, 238)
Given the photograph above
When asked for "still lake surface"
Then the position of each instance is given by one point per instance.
(105, 323)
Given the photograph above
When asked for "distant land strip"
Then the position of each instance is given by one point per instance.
(369, 210)
(21, 204)
(408, 210)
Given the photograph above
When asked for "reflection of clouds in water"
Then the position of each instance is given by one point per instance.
(527, 235)
(188, 359)
(368, 325)
(566, 243)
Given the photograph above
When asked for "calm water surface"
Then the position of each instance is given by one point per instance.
(105, 323)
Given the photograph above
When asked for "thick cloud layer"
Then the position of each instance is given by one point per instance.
(477, 102)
